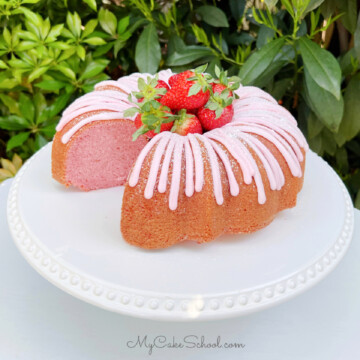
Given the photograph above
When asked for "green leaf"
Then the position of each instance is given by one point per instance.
(119, 44)
(313, 4)
(3, 65)
(265, 35)
(26, 107)
(316, 144)
(357, 39)
(17, 140)
(40, 106)
(349, 8)
(324, 104)
(54, 32)
(314, 126)
(350, 124)
(175, 43)
(103, 49)
(328, 142)
(348, 62)
(280, 87)
(73, 21)
(10, 103)
(237, 8)
(89, 28)
(58, 105)
(94, 68)
(259, 61)
(32, 17)
(357, 200)
(95, 41)
(7, 36)
(321, 65)
(66, 71)
(29, 1)
(342, 159)
(25, 45)
(91, 3)
(40, 141)
(107, 21)
(267, 76)
(80, 51)
(187, 55)
(60, 45)
(49, 130)
(328, 8)
(51, 85)
(148, 52)
(8, 83)
(27, 35)
(212, 16)
(37, 73)
(13, 122)
(123, 24)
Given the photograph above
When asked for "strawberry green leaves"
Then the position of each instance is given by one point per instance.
(321, 66)
(148, 53)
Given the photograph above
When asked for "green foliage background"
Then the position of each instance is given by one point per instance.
(306, 53)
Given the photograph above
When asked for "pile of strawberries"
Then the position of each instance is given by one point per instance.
(192, 102)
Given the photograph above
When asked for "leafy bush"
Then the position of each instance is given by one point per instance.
(306, 53)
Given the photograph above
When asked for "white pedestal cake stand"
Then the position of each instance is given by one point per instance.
(73, 239)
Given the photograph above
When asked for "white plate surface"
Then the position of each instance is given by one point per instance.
(73, 239)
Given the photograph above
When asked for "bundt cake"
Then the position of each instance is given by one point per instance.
(232, 179)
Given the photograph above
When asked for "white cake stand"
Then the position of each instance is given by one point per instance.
(73, 239)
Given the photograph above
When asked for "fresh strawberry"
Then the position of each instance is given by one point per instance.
(189, 90)
(151, 133)
(219, 88)
(162, 84)
(151, 119)
(209, 120)
(219, 111)
(173, 79)
(187, 124)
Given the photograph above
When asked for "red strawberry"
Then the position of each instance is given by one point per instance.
(218, 88)
(178, 95)
(160, 85)
(150, 134)
(173, 79)
(208, 119)
(187, 124)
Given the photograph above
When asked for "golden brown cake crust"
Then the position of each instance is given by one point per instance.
(199, 217)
